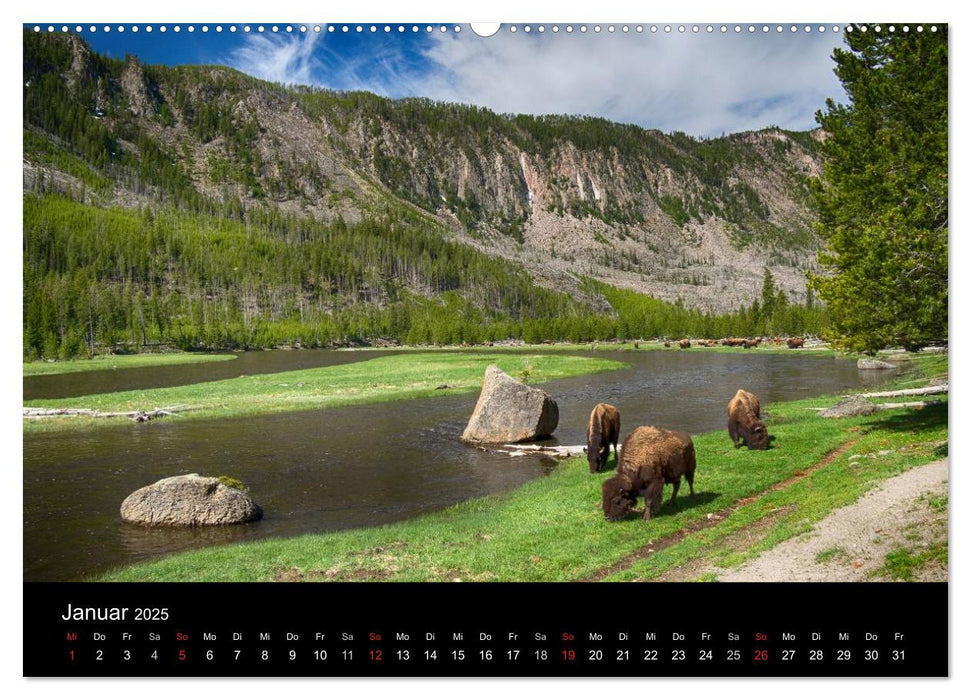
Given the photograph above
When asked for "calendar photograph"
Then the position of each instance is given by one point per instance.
(489, 304)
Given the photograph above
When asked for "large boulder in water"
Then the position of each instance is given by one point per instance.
(510, 411)
(189, 500)
(868, 363)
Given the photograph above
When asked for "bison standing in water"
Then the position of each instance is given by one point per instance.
(602, 431)
(744, 424)
(650, 458)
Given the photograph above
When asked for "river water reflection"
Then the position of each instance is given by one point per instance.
(331, 469)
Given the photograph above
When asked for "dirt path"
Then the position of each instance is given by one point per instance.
(905, 517)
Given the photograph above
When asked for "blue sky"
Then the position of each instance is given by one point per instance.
(701, 83)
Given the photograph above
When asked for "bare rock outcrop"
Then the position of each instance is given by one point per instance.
(136, 88)
(510, 411)
(189, 500)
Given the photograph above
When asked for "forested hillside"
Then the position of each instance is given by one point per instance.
(199, 207)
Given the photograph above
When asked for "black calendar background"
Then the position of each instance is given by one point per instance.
(541, 629)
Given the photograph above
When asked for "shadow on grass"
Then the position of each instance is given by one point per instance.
(919, 420)
(684, 502)
(610, 466)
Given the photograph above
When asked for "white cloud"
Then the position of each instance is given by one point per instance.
(278, 58)
(701, 84)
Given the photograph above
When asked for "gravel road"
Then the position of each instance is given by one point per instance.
(851, 543)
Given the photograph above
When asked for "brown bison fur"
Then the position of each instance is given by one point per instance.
(744, 424)
(603, 430)
(794, 343)
(684, 344)
(649, 458)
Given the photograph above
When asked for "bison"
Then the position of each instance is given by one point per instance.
(794, 343)
(744, 424)
(602, 431)
(649, 458)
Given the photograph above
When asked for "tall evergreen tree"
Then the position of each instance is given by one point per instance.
(883, 196)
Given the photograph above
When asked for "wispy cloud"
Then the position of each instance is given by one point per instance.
(703, 84)
(280, 58)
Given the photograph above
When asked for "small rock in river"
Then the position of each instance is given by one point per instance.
(189, 500)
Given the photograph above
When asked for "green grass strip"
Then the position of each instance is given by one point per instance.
(105, 362)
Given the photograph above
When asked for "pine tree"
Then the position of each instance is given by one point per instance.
(768, 298)
(883, 197)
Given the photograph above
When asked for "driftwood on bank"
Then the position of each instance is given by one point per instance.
(555, 451)
(889, 406)
(924, 391)
(137, 416)
(907, 404)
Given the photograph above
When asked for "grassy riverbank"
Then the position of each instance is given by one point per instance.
(103, 362)
(552, 529)
(377, 380)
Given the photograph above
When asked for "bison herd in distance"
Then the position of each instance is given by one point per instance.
(791, 343)
(651, 457)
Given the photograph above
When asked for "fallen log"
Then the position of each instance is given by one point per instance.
(923, 391)
(889, 406)
(139, 416)
(44, 412)
(907, 404)
(556, 451)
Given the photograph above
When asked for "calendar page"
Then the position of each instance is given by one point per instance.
(523, 349)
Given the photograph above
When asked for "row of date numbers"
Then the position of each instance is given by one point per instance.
(512, 655)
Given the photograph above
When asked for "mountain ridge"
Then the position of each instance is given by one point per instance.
(566, 199)
(706, 214)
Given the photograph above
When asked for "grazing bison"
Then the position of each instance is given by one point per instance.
(794, 343)
(649, 459)
(744, 424)
(684, 344)
(603, 430)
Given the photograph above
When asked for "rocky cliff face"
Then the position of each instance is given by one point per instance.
(567, 197)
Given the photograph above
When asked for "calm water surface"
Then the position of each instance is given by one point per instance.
(333, 469)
